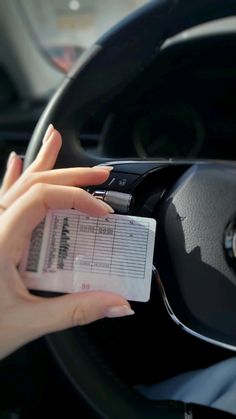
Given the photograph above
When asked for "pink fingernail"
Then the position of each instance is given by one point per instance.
(118, 311)
(11, 158)
(106, 206)
(108, 168)
(48, 133)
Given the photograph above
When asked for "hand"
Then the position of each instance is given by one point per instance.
(24, 201)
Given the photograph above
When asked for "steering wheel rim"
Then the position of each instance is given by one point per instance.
(100, 74)
(111, 63)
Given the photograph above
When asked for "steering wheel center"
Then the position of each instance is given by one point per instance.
(230, 242)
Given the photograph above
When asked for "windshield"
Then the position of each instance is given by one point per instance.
(65, 28)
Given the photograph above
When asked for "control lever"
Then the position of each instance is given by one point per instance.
(121, 202)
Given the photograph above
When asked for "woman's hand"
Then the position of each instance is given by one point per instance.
(15, 184)
(24, 201)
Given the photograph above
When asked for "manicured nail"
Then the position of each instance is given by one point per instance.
(118, 311)
(106, 206)
(11, 158)
(48, 133)
(108, 168)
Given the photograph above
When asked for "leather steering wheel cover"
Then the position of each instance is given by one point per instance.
(100, 74)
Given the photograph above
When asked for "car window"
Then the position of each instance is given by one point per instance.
(65, 28)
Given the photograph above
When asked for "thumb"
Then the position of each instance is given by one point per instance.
(70, 310)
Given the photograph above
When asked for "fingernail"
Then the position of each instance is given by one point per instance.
(106, 206)
(11, 157)
(118, 311)
(108, 168)
(48, 132)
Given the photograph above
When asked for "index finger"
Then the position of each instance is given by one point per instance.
(48, 153)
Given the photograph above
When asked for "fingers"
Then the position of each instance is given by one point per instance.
(40, 171)
(64, 177)
(71, 177)
(54, 314)
(79, 309)
(45, 160)
(48, 152)
(28, 210)
(13, 172)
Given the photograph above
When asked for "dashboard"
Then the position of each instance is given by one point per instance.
(181, 106)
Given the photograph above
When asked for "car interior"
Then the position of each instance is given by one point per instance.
(155, 96)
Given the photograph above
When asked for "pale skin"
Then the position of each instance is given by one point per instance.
(24, 201)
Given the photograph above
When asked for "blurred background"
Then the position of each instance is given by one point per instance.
(65, 28)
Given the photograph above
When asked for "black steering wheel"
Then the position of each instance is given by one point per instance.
(194, 203)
